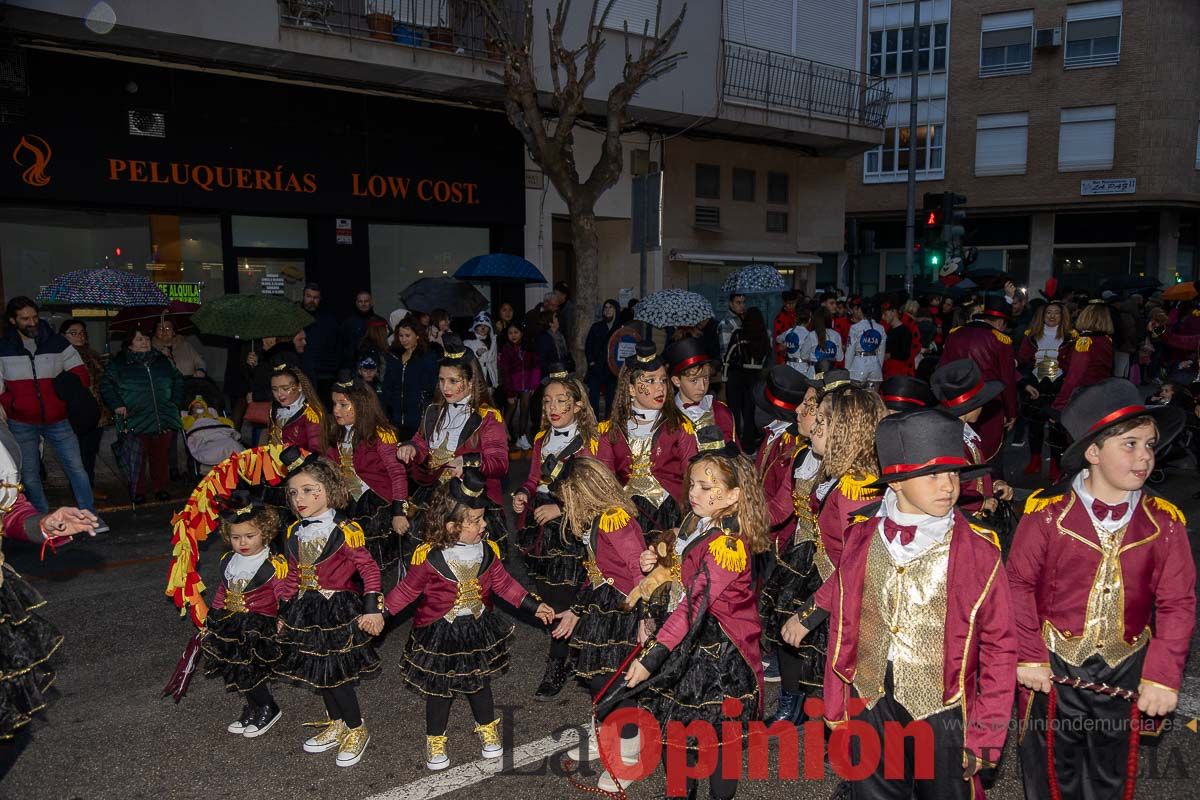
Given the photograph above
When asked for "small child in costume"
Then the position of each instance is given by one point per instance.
(334, 604)
(239, 640)
(691, 368)
(1104, 592)
(962, 392)
(458, 643)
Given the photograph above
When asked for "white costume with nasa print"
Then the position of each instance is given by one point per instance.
(865, 351)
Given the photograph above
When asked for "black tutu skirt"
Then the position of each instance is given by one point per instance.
(793, 580)
(653, 519)
(497, 525)
(240, 648)
(448, 658)
(27, 642)
(551, 558)
(374, 514)
(606, 634)
(321, 644)
(697, 677)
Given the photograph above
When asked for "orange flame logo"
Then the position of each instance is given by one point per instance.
(35, 173)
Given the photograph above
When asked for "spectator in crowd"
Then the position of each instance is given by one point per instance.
(785, 320)
(747, 355)
(368, 371)
(145, 392)
(320, 356)
(32, 355)
(178, 350)
(75, 331)
(551, 345)
(519, 378)
(1126, 333)
(437, 327)
(354, 327)
(626, 315)
(409, 383)
(504, 318)
(566, 310)
(482, 342)
(600, 380)
(731, 322)
(374, 345)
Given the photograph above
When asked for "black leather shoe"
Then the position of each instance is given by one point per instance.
(556, 674)
(265, 717)
(161, 496)
(790, 708)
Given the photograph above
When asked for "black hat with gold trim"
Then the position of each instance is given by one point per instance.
(710, 441)
(556, 371)
(1096, 408)
(645, 358)
(294, 457)
(921, 442)
(453, 350)
(684, 354)
(470, 489)
(555, 471)
(240, 506)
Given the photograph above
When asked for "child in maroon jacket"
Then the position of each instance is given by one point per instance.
(457, 642)
(519, 376)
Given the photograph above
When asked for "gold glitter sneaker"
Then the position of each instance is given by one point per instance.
(435, 753)
(489, 737)
(327, 738)
(354, 742)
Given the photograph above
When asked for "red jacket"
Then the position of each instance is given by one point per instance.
(598, 448)
(375, 463)
(27, 390)
(844, 500)
(342, 567)
(668, 460)
(784, 321)
(1086, 360)
(431, 580)
(1055, 554)
(980, 646)
(483, 444)
(263, 593)
(992, 352)
(23, 523)
(303, 429)
(776, 467)
(618, 549)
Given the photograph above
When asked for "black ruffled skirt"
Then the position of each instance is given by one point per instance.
(448, 658)
(239, 647)
(653, 519)
(792, 582)
(697, 677)
(606, 634)
(27, 643)
(551, 557)
(321, 644)
(374, 514)
(497, 526)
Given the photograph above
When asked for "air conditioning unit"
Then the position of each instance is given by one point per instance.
(147, 123)
(1048, 38)
(707, 218)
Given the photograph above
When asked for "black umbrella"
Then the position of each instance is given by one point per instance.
(988, 278)
(457, 298)
(1130, 284)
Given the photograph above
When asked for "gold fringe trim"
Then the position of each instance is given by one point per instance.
(537, 437)
(613, 520)
(386, 436)
(1171, 510)
(1003, 338)
(1083, 344)
(988, 534)
(856, 489)
(355, 537)
(495, 548)
(604, 427)
(312, 415)
(281, 566)
(1037, 502)
(729, 552)
(594, 445)
(420, 554)
(689, 428)
(488, 411)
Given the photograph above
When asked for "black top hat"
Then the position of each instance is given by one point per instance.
(557, 371)
(710, 441)
(684, 354)
(960, 388)
(454, 350)
(645, 357)
(904, 393)
(834, 379)
(294, 457)
(921, 442)
(471, 489)
(555, 470)
(782, 392)
(996, 307)
(1098, 407)
(241, 506)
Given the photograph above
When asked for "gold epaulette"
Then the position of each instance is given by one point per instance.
(1169, 508)
(613, 520)
(594, 445)
(495, 548)
(955, 328)
(688, 427)
(1037, 502)
(312, 415)
(1028, 331)
(857, 518)
(1004, 338)
(537, 437)
(857, 489)
(281, 566)
(386, 436)
(987, 533)
(488, 411)
(355, 537)
(420, 554)
(604, 427)
(801, 446)
(291, 528)
(729, 552)
(1083, 344)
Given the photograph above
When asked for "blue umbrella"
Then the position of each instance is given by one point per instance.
(499, 268)
(102, 288)
(755, 279)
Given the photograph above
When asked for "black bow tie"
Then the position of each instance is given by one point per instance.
(459, 405)
(310, 521)
(562, 433)
(644, 416)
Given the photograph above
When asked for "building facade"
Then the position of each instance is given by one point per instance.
(1071, 127)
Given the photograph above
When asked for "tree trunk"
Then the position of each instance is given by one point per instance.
(586, 240)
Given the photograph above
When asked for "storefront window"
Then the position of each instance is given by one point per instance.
(272, 232)
(1087, 267)
(400, 254)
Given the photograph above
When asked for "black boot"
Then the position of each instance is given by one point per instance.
(789, 709)
(556, 674)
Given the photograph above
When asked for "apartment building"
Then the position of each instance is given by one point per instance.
(1071, 127)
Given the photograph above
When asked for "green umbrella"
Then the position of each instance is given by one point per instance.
(250, 316)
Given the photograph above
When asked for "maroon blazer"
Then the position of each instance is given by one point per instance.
(599, 448)
(375, 463)
(483, 444)
(1087, 359)
(618, 551)
(840, 506)
(974, 491)
(992, 352)
(431, 580)
(980, 645)
(262, 594)
(344, 564)
(717, 565)
(23, 523)
(1055, 554)
(303, 428)
(668, 459)
(776, 466)
(723, 418)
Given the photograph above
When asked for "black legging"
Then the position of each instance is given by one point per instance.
(719, 788)
(739, 396)
(789, 671)
(437, 710)
(342, 703)
(559, 598)
(260, 696)
(1037, 435)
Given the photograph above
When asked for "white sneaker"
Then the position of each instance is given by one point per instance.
(587, 742)
(523, 443)
(631, 750)
(608, 783)
(435, 753)
(489, 739)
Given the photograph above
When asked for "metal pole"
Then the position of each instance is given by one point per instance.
(910, 214)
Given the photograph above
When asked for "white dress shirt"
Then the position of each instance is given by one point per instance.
(450, 428)
(240, 567)
(1109, 525)
(930, 530)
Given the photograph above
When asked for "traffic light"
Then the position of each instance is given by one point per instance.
(934, 257)
(953, 218)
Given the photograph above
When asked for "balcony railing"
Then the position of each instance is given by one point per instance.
(795, 85)
(453, 26)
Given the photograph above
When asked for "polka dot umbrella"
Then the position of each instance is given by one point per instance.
(673, 307)
(102, 288)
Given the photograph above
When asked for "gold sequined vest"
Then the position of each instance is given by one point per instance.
(642, 482)
(904, 614)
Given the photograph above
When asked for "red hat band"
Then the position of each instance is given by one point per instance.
(775, 401)
(940, 461)
(1120, 412)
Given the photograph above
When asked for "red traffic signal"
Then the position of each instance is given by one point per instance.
(933, 218)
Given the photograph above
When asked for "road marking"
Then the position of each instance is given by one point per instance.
(440, 783)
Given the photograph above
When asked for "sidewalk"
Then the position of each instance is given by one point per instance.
(112, 490)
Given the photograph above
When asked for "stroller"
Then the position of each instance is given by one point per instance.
(210, 436)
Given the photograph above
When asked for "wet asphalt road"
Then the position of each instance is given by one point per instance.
(110, 735)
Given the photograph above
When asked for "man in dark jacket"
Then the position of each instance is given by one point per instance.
(320, 357)
(31, 357)
(354, 328)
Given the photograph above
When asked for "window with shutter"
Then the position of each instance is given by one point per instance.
(638, 16)
(1093, 36)
(1001, 141)
(1086, 137)
(1006, 43)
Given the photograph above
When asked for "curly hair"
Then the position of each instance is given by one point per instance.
(443, 509)
(329, 475)
(369, 418)
(265, 519)
(754, 526)
(850, 448)
(590, 490)
(311, 396)
(585, 417)
(622, 409)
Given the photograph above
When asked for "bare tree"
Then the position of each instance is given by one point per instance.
(546, 118)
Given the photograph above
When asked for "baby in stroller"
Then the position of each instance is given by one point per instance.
(1182, 393)
(211, 437)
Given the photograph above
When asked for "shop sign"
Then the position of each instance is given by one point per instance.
(182, 292)
(1108, 186)
(345, 231)
(271, 283)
